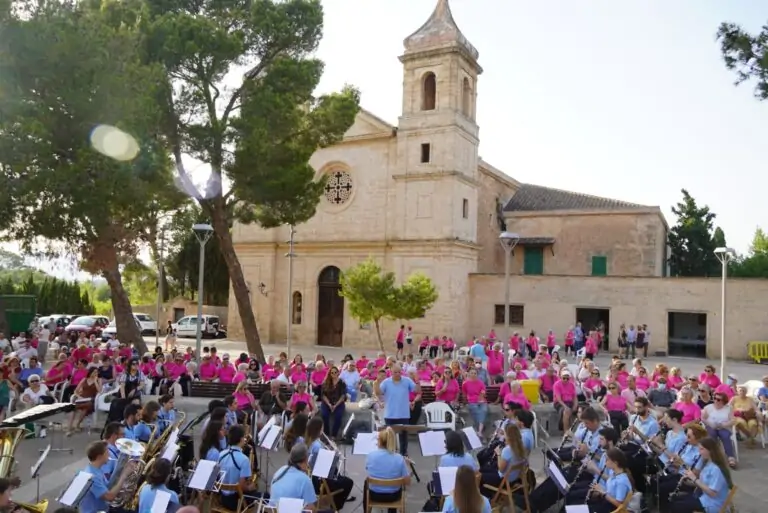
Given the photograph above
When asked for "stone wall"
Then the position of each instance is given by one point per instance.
(493, 187)
(634, 242)
(550, 302)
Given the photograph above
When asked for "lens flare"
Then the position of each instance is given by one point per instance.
(114, 143)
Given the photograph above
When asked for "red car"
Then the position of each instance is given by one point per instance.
(88, 324)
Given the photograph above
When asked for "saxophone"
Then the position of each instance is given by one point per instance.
(9, 441)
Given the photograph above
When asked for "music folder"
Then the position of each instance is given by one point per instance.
(432, 443)
(557, 477)
(444, 480)
(471, 439)
(264, 430)
(324, 463)
(271, 437)
(160, 504)
(204, 477)
(76, 489)
(365, 443)
(346, 428)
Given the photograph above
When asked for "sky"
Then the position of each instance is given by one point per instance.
(628, 100)
(624, 99)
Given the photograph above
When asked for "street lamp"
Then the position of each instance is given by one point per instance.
(725, 255)
(160, 271)
(203, 233)
(508, 241)
(290, 255)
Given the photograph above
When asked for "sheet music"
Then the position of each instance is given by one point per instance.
(39, 462)
(472, 438)
(287, 505)
(265, 429)
(577, 508)
(323, 463)
(202, 475)
(271, 437)
(432, 443)
(558, 476)
(173, 438)
(346, 428)
(365, 443)
(160, 504)
(78, 484)
(170, 452)
(447, 479)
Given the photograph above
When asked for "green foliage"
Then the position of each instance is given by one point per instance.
(755, 264)
(54, 296)
(10, 261)
(373, 295)
(257, 128)
(692, 241)
(746, 54)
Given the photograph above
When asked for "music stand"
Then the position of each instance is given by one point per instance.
(324, 464)
(73, 494)
(365, 443)
(269, 442)
(192, 423)
(443, 481)
(203, 479)
(471, 439)
(432, 443)
(343, 437)
(36, 469)
(408, 429)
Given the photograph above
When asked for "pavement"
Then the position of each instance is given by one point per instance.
(61, 466)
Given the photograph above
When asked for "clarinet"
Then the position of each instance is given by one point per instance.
(676, 491)
(682, 449)
(597, 481)
(628, 432)
(587, 459)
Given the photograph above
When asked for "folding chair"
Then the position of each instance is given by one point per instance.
(624, 508)
(398, 505)
(325, 497)
(217, 507)
(507, 489)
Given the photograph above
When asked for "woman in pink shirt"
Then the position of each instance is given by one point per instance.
(517, 396)
(617, 407)
(244, 398)
(533, 344)
(317, 377)
(686, 404)
(506, 387)
(380, 361)
(519, 360)
(55, 374)
(495, 362)
(362, 363)
(208, 370)
(423, 374)
(593, 386)
(298, 364)
(641, 381)
(474, 392)
(514, 342)
(570, 336)
(241, 374)
(448, 347)
(423, 346)
(519, 372)
(447, 388)
(551, 341)
(564, 395)
(675, 379)
(590, 346)
(302, 396)
(547, 380)
(709, 377)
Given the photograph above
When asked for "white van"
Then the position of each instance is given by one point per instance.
(187, 326)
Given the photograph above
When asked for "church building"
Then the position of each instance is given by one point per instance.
(417, 197)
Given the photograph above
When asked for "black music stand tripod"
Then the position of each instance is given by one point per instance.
(36, 469)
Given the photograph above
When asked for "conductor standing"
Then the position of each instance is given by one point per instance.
(395, 392)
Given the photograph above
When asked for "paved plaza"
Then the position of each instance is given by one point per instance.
(61, 467)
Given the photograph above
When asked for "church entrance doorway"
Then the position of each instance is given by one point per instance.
(330, 309)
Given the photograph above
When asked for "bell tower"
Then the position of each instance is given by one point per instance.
(437, 134)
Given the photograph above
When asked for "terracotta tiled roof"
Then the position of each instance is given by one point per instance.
(537, 198)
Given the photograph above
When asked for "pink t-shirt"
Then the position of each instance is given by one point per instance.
(450, 393)
(551, 340)
(175, 369)
(424, 375)
(361, 364)
(565, 391)
(614, 402)
(495, 363)
(622, 378)
(448, 345)
(380, 362)
(317, 377)
(148, 369)
(472, 389)
(78, 376)
(243, 400)
(569, 338)
(691, 411)
(710, 379)
(522, 361)
(593, 384)
(207, 370)
(642, 383)
(227, 374)
(301, 398)
(239, 376)
(518, 398)
(514, 343)
(725, 389)
(298, 367)
(298, 376)
(547, 382)
(674, 381)
(505, 389)
(269, 373)
(590, 345)
(533, 343)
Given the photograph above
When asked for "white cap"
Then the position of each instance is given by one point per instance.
(565, 373)
(225, 356)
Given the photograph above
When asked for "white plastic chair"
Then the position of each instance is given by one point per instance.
(58, 390)
(101, 403)
(463, 352)
(437, 414)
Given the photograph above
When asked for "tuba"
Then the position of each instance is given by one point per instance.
(130, 462)
(9, 441)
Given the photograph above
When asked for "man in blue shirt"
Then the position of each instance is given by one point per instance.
(643, 423)
(112, 433)
(236, 467)
(477, 351)
(131, 421)
(98, 495)
(395, 392)
(762, 395)
(292, 481)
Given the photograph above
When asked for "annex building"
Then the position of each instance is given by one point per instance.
(417, 197)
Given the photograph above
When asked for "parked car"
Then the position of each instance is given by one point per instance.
(148, 324)
(187, 326)
(88, 324)
(111, 330)
(61, 320)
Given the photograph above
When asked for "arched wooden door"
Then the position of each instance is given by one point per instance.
(330, 308)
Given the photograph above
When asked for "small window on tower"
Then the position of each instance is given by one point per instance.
(425, 153)
(465, 208)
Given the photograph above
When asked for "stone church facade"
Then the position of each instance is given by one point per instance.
(417, 197)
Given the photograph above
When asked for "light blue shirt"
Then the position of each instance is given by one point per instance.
(109, 466)
(674, 443)
(147, 497)
(713, 478)
(604, 473)
(581, 433)
(165, 418)
(528, 440)
(396, 401)
(593, 440)
(382, 464)
(142, 432)
(618, 486)
(235, 465)
(512, 459)
(692, 458)
(314, 448)
(649, 427)
(451, 460)
(291, 483)
(230, 419)
(131, 432)
(93, 500)
(213, 454)
(478, 351)
(449, 507)
(351, 379)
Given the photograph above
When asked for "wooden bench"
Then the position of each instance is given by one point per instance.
(221, 390)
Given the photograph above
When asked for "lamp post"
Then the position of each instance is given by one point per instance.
(203, 233)
(290, 255)
(725, 255)
(508, 241)
(160, 271)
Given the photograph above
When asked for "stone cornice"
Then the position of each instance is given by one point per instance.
(419, 177)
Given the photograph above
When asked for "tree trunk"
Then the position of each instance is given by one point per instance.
(217, 210)
(378, 334)
(127, 331)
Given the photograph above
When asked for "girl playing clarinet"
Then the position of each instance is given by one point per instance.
(604, 499)
(711, 485)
